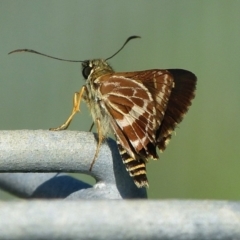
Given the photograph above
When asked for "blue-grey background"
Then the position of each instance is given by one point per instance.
(203, 160)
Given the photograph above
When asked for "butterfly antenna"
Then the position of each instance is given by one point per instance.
(130, 38)
(45, 55)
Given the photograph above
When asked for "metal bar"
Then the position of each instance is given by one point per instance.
(120, 220)
(44, 151)
(50, 153)
(43, 185)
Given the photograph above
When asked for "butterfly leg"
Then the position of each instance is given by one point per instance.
(100, 140)
(91, 127)
(76, 108)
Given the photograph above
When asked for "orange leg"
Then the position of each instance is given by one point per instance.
(76, 108)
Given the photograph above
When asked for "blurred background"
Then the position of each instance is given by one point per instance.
(203, 160)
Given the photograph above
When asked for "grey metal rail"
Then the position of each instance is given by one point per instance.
(33, 165)
(109, 219)
(56, 152)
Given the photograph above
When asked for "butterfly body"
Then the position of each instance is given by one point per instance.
(141, 108)
(92, 96)
(133, 106)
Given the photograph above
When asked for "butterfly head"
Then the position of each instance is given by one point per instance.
(95, 68)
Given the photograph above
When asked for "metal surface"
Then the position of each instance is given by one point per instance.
(135, 219)
(66, 151)
(48, 154)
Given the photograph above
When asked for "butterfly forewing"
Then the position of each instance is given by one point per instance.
(136, 102)
(132, 107)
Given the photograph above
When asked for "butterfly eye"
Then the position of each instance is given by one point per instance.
(86, 71)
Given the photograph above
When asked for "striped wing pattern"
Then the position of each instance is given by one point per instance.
(136, 102)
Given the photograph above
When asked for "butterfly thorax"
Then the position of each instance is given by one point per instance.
(96, 69)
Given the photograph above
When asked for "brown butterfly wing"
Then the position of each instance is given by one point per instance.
(172, 91)
(132, 100)
(137, 101)
(145, 107)
(132, 107)
(178, 104)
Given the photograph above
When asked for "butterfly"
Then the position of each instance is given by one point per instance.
(141, 108)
